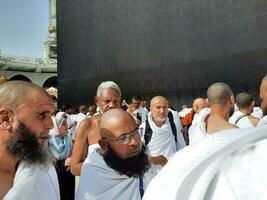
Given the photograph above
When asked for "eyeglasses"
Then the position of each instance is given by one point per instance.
(125, 137)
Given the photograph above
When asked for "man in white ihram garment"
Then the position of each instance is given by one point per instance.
(114, 171)
(200, 108)
(221, 101)
(263, 96)
(229, 163)
(161, 135)
(26, 170)
(243, 118)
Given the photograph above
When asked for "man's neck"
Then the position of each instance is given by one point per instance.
(8, 167)
(158, 123)
(7, 162)
(246, 111)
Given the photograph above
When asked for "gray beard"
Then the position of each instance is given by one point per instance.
(24, 146)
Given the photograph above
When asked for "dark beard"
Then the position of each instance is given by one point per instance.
(24, 145)
(134, 166)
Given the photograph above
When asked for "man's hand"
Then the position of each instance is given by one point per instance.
(158, 160)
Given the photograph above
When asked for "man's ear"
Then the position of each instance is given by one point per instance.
(6, 116)
(103, 144)
(96, 100)
(232, 99)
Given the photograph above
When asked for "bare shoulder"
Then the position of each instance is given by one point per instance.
(83, 127)
(253, 120)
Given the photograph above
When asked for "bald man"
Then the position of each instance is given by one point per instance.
(221, 101)
(26, 170)
(263, 96)
(200, 109)
(161, 135)
(114, 171)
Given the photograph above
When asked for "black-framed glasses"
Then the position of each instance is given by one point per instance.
(125, 137)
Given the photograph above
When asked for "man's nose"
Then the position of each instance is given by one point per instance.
(113, 104)
(49, 123)
(135, 140)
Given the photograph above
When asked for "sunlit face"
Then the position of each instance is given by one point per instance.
(263, 94)
(36, 115)
(108, 99)
(159, 110)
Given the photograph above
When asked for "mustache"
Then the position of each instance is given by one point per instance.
(134, 166)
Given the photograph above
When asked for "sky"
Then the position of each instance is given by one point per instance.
(23, 27)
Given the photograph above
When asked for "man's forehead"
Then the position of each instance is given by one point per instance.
(44, 104)
(106, 92)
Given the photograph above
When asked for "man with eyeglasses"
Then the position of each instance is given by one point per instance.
(115, 171)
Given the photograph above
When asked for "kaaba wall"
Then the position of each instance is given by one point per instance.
(175, 48)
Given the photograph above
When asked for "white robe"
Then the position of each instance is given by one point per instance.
(244, 122)
(162, 143)
(262, 122)
(34, 182)
(197, 130)
(230, 164)
(100, 182)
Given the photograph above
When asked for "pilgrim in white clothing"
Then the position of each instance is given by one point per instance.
(100, 182)
(34, 182)
(230, 164)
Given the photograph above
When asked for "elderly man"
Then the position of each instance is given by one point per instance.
(263, 96)
(108, 96)
(26, 170)
(115, 171)
(161, 135)
(221, 101)
(243, 118)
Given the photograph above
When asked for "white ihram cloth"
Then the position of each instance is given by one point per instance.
(34, 182)
(262, 122)
(100, 182)
(244, 122)
(257, 112)
(162, 143)
(142, 112)
(197, 130)
(230, 164)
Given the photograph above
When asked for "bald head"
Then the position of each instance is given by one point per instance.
(219, 93)
(199, 104)
(15, 93)
(157, 99)
(263, 94)
(113, 120)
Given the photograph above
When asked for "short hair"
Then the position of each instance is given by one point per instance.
(15, 93)
(106, 85)
(137, 98)
(244, 100)
(219, 93)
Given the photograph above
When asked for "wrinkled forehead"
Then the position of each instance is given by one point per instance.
(160, 102)
(39, 102)
(109, 93)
